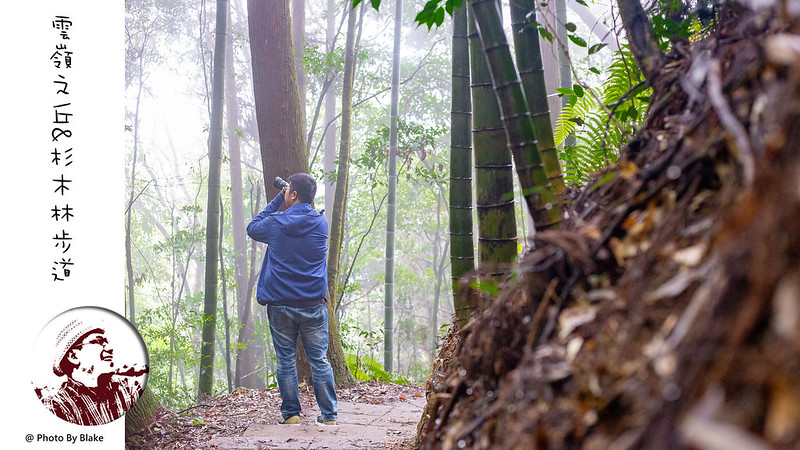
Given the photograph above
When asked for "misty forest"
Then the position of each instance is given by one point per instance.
(564, 223)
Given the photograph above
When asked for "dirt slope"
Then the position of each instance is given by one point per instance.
(666, 312)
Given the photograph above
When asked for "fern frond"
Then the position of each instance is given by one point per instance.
(571, 117)
(597, 140)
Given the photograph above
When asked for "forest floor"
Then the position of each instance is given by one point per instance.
(371, 415)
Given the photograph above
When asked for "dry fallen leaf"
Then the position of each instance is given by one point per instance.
(690, 256)
(783, 416)
(572, 318)
(627, 169)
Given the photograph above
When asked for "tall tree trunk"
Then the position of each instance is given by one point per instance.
(494, 186)
(244, 374)
(298, 39)
(531, 72)
(206, 381)
(278, 110)
(391, 211)
(280, 120)
(335, 352)
(536, 188)
(142, 414)
(462, 254)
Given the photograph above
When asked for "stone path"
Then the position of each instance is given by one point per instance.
(361, 426)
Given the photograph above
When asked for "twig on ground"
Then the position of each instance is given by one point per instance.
(730, 122)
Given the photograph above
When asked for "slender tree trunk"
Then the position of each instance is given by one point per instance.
(494, 196)
(462, 254)
(244, 374)
(224, 290)
(129, 214)
(335, 352)
(132, 198)
(206, 380)
(640, 36)
(439, 267)
(546, 17)
(329, 160)
(599, 29)
(562, 43)
(145, 410)
(391, 210)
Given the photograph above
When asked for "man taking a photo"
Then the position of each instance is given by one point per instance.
(293, 285)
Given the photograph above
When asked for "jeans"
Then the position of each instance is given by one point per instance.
(311, 322)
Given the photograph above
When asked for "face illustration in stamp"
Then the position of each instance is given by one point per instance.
(99, 363)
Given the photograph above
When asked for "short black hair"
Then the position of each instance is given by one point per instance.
(305, 185)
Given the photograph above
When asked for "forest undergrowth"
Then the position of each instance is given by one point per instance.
(665, 312)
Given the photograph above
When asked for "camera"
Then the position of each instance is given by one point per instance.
(279, 183)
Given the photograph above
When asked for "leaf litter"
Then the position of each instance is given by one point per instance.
(231, 414)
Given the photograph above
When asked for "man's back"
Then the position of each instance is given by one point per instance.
(294, 271)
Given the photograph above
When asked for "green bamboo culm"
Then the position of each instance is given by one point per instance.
(536, 187)
(391, 209)
(462, 253)
(494, 176)
(531, 73)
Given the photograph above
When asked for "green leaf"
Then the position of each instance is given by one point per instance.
(564, 91)
(438, 16)
(596, 48)
(573, 99)
(376, 4)
(571, 27)
(430, 14)
(603, 180)
(582, 2)
(594, 70)
(577, 40)
(424, 18)
(578, 90)
(489, 288)
(546, 34)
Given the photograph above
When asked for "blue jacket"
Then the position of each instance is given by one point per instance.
(295, 269)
